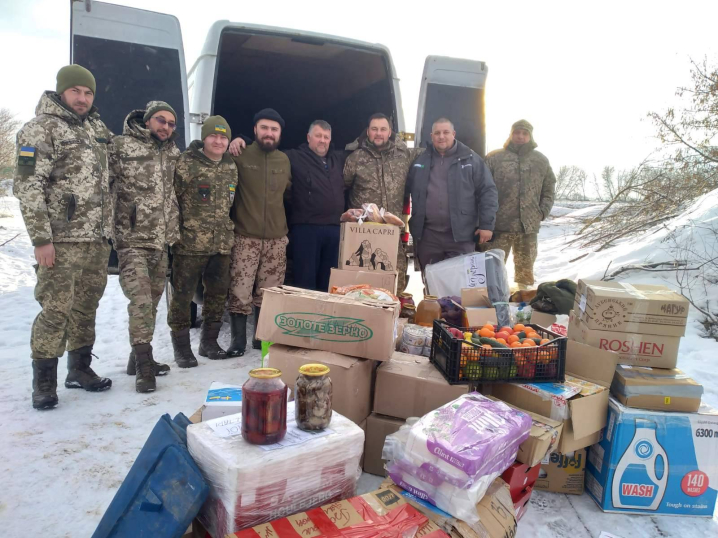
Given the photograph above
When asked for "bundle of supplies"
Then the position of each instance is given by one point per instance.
(416, 340)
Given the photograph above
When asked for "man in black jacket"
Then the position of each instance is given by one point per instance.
(462, 198)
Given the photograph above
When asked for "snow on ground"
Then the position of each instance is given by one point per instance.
(61, 468)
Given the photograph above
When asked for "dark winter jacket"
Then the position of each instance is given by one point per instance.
(473, 200)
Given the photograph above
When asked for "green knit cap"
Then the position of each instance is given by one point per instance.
(74, 75)
(153, 107)
(216, 125)
(522, 124)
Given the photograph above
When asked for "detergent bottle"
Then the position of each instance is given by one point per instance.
(642, 472)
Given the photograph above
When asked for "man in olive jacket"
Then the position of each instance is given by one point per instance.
(526, 185)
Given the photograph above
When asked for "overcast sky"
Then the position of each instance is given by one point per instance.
(585, 74)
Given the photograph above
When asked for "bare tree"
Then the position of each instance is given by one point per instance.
(571, 183)
(8, 128)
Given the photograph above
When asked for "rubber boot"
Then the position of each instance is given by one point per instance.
(160, 368)
(44, 383)
(256, 344)
(145, 380)
(238, 325)
(208, 346)
(183, 349)
(79, 373)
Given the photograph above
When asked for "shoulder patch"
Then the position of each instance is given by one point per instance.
(26, 157)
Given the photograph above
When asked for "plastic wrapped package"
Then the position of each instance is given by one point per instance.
(252, 484)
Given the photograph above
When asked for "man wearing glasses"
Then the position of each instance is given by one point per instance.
(142, 167)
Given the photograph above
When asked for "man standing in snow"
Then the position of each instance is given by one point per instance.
(142, 166)
(526, 185)
(61, 181)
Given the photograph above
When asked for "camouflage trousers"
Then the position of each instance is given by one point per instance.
(69, 293)
(525, 248)
(256, 264)
(213, 270)
(402, 262)
(143, 272)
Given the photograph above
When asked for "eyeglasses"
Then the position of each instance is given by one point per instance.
(164, 122)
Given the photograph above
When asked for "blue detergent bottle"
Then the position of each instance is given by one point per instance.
(642, 472)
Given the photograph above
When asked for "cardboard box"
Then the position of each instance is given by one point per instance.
(520, 476)
(222, 400)
(362, 425)
(410, 386)
(563, 473)
(521, 505)
(379, 279)
(318, 320)
(653, 462)
(400, 325)
(634, 349)
(583, 416)
(351, 377)
(631, 308)
(543, 319)
(377, 428)
(478, 309)
(656, 388)
(368, 247)
(196, 417)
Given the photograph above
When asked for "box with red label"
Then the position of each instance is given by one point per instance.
(520, 476)
(521, 505)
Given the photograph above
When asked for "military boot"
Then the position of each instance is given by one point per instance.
(79, 373)
(238, 324)
(44, 383)
(256, 344)
(208, 346)
(160, 368)
(183, 349)
(145, 380)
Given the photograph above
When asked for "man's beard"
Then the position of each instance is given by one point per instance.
(268, 145)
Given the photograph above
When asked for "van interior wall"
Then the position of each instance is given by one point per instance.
(303, 82)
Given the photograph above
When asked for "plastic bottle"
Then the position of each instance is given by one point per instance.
(264, 407)
(428, 310)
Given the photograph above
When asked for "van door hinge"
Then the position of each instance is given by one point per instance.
(198, 117)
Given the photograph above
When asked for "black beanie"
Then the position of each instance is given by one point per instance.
(269, 114)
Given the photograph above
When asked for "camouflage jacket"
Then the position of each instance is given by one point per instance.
(378, 176)
(142, 173)
(205, 191)
(526, 184)
(61, 177)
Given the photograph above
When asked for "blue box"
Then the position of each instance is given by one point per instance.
(653, 462)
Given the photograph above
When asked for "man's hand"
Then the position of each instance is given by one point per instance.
(236, 146)
(45, 255)
(484, 235)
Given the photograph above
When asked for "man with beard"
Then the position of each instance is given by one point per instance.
(259, 255)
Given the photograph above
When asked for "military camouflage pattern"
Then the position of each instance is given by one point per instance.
(142, 278)
(256, 264)
(69, 293)
(205, 191)
(186, 274)
(142, 173)
(525, 249)
(61, 177)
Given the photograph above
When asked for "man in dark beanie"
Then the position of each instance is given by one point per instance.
(205, 182)
(259, 255)
(61, 181)
(142, 168)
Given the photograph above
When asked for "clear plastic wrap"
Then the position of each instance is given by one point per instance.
(251, 484)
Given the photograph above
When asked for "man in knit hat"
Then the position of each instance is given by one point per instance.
(526, 185)
(142, 167)
(61, 181)
(205, 182)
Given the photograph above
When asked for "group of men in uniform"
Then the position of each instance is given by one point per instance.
(222, 214)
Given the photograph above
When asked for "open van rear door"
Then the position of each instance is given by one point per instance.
(136, 56)
(453, 88)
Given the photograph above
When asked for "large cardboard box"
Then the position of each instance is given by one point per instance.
(318, 320)
(351, 377)
(631, 308)
(368, 247)
(410, 386)
(656, 388)
(634, 349)
(563, 473)
(377, 428)
(478, 309)
(378, 279)
(583, 416)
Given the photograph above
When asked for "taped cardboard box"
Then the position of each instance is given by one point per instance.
(378, 279)
(583, 416)
(631, 308)
(368, 247)
(377, 428)
(478, 309)
(656, 388)
(410, 386)
(318, 320)
(563, 473)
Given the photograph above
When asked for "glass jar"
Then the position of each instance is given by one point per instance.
(408, 311)
(428, 310)
(406, 298)
(313, 397)
(264, 407)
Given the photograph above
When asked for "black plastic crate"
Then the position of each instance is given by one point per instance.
(463, 362)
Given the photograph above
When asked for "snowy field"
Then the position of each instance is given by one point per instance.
(62, 468)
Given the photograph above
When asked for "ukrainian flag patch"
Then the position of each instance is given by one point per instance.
(26, 157)
(231, 187)
(220, 128)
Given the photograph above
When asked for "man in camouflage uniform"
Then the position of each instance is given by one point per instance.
(142, 165)
(376, 173)
(205, 182)
(61, 181)
(526, 187)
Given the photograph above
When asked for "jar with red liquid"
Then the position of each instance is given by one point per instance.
(264, 407)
